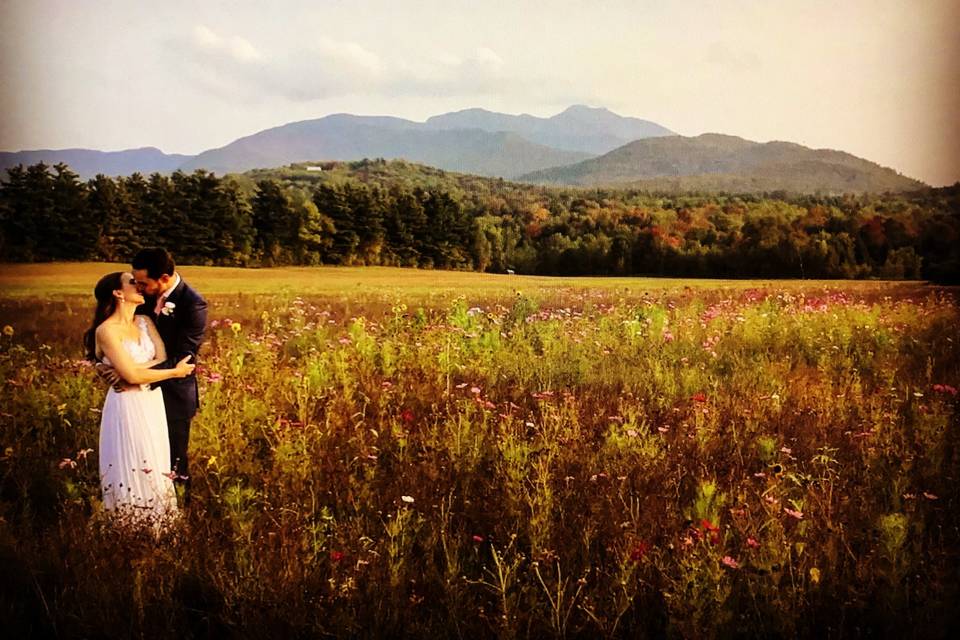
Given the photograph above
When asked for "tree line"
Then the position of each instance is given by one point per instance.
(376, 212)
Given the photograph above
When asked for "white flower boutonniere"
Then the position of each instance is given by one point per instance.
(168, 308)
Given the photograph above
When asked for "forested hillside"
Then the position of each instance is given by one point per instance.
(377, 212)
(718, 163)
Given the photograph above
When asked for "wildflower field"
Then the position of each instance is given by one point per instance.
(480, 456)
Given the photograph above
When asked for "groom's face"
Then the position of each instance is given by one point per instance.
(148, 286)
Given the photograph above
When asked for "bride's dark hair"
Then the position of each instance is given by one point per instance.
(106, 305)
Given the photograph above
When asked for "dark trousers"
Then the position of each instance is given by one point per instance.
(179, 432)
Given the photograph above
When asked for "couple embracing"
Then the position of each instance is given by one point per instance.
(146, 331)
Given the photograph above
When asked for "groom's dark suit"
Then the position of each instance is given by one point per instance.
(181, 327)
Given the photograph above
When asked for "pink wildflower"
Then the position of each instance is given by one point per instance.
(730, 562)
(639, 551)
(796, 514)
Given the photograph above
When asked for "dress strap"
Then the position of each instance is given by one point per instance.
(142, 324)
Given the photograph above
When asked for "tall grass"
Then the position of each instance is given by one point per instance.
(601, 463)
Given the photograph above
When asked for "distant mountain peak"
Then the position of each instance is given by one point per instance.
(579, 128)
(470, 110)
(585, 109)
(721, 136)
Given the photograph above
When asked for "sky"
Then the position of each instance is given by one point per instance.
(876, 78)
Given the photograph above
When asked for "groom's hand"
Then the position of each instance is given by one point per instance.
(109, 375)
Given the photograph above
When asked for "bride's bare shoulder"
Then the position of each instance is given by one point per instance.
(106, 331)
(106, 328)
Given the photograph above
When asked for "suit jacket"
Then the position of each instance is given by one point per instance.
(182, 331)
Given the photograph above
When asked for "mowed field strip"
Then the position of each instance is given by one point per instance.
(69, 279)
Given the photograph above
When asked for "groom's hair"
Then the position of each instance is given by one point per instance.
(156, 261)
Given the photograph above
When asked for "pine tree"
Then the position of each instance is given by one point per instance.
(274, 224)
(403, 210)
(22, 209)
(161, 211)
(121, 227)
(234, 231)
(332, 202)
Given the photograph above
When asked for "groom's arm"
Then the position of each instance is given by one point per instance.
(192, 336)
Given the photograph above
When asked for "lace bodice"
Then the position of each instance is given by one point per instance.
(141, 350)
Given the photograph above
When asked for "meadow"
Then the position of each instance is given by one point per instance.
(385, 452)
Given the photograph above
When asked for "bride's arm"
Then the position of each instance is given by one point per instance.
(132, 372)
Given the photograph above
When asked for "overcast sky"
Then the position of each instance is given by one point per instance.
(877, 78)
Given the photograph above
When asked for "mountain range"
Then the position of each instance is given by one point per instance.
(347, 137)
(88, 162)
(582, 146)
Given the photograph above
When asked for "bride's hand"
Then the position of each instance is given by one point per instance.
(184, 368)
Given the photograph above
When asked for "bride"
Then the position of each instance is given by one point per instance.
(135, 477)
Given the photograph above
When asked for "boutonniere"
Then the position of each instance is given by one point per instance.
(168, 308)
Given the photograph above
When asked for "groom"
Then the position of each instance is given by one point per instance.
(180, 314)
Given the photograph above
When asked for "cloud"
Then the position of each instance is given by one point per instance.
(235, 47)
(234, 68)
(478, 72)
(349, 55)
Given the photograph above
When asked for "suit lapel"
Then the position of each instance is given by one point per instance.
(173, 298)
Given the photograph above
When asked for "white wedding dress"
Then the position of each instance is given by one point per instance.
(135, 477)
